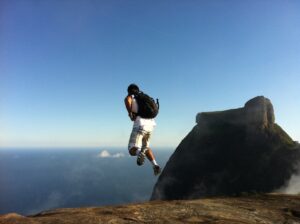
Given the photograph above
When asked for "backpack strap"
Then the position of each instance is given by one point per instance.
(138, 93)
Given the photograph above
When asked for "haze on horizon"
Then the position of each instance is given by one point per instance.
(65, 66)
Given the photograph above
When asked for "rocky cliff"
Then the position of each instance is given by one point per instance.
(228, 153)
(268, 209)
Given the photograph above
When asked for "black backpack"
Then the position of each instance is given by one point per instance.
(148, 108)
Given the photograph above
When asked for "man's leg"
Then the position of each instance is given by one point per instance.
(135, 142)
(150, 156)
(142, 154)
(149, 153)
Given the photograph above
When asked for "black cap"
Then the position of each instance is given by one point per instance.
(132, 89)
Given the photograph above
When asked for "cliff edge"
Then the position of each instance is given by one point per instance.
(268, 209)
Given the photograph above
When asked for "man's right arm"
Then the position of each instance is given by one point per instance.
(128, 104)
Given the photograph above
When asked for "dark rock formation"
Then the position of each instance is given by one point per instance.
(228, 153)
(280, 209)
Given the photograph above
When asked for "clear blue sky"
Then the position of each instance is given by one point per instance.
(65, 66)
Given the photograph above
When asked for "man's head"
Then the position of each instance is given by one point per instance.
(133, 89)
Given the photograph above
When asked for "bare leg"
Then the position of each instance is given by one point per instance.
(150, 155)
(151, 158)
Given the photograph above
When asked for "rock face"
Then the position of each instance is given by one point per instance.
(228, 153)
(280, 209)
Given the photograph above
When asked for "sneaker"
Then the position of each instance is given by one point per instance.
(157, 170)
(140, 158)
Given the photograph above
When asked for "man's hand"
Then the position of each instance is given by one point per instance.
(132, 116)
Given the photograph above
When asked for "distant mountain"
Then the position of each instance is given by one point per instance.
(229, 153)
(278, 209)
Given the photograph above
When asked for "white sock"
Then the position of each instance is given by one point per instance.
(154, 163)
(137, 152)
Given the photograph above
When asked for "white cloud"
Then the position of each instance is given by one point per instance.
(293, 185)
(104, 154)
(107, 154)
(118, 155)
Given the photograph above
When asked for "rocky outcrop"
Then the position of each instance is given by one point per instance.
(269, 209)
(257, 113)
(228, 153)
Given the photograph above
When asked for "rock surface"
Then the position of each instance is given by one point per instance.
(228, 153)
(267, 209)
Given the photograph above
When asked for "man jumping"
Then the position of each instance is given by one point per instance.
(142, 127)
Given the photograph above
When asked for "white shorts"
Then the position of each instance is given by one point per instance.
(140, 137)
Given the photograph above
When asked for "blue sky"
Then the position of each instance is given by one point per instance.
(65, 66)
